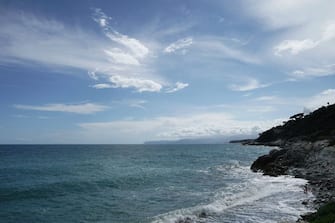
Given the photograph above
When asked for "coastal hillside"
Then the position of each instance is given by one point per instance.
(318, 125)
(307, 150)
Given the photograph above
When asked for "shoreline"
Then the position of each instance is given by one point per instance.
(305, 148)
(312, 161)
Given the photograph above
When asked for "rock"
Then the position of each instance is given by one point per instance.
(185, 220)
(270, 164)
(203, 214)
(308, 151)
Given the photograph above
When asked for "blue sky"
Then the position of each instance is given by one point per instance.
(132, 71)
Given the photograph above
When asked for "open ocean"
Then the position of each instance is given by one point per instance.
(142, 183)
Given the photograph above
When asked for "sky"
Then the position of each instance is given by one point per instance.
(109, 71)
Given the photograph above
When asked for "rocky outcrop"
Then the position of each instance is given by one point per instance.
(306, 149)
(270, 163)
(316, 126)
(312, 161)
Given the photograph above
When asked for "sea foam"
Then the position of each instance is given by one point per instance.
(256, 198)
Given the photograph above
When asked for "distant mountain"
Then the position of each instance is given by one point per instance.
(207, 140)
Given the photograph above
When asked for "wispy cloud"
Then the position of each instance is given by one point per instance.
(320, 99)
(136, 103)
(86, 108)
(92, 75)
(114, 57)
(133, 103)
(311, 72)
(181, 44)
(294, 46)
(287, 14)
(118, 56)
(49, 42)
(248, 85)
(140, 85)
(297, 40)
(266, 98)
(297, 46)
(179, 86)
(214, 47)
(101, 18)
(311, 102)
(102, 86)
(138, 49)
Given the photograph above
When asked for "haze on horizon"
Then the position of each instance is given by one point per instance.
(135, 71)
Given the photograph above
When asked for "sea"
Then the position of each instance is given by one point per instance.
(143, 183)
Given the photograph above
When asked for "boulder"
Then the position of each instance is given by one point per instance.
(271, 164)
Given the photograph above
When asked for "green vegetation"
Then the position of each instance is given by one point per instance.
(325, 214)
(315, 126)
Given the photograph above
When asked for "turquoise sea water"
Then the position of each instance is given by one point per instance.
(142, 183)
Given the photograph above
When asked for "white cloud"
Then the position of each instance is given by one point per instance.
(119, 56)
(102, 86)
(295, 46)
(101, 18)
(174, 127)
(251, 84)
(179, 86)
(140, 85)
(92, 75)
(286, 13)
(298, 73)
(320, 99)
(86, 108)
(33, 40)
(304, 36)
(179, 45)
(138, 49)
(311, 72)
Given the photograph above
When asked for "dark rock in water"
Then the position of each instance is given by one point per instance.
(203, 214)
(185, 220)
(305, 202)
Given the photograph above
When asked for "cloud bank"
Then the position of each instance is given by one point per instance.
(173, 127)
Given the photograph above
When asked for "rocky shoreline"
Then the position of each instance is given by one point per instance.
(305, 148)
(313, 161)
